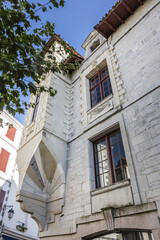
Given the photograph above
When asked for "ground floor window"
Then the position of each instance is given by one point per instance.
(110, 160)
(126, 236)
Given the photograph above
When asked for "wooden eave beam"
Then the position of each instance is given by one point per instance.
(98, 30)
(110, 26)
(140, 1)
(127, 8)
(118, 17)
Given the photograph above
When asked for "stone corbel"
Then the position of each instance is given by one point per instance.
(109, 214)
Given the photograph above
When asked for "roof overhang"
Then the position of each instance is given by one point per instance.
(75, 55)
(117, 16)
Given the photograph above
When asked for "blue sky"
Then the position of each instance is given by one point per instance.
(75, 21)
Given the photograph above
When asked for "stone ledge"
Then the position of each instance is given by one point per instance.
(89, 219)
(132, 210)
(111, 187)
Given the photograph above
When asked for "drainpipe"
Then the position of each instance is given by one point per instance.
(132, 160)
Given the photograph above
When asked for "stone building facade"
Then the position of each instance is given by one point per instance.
(91, 154)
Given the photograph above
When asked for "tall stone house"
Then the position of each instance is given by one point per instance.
(89, 157)
(20, 226)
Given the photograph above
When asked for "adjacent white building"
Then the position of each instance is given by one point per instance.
(21, 226)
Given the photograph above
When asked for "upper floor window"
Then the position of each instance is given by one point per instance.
(36, 107)
(11, 132)
(4, 156)
(100, 86)
(110, 160)
(95, 45)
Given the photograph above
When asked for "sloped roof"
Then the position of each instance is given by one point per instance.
(57, 38)
(117, 16)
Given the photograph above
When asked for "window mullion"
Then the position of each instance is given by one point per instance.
(112, 177)
(95, 169)
(100, 83)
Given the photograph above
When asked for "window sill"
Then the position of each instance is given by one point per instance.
(115, 186)
(101, 108)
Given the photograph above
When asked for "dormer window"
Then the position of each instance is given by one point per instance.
(95, 45)
(100, 86)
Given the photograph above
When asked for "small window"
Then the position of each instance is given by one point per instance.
(4, 156)
(95, 45)
(11, 133)
(36, 107)
(110, 160)
(100, 86)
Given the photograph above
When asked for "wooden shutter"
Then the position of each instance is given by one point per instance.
(2, 195)
(4, 156)
(11, 133)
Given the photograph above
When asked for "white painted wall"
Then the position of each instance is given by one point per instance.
(9, 182)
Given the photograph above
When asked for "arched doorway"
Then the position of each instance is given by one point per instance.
(125, 236)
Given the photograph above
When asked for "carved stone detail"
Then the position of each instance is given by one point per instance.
(42, 187)
(82, 100)
(109, 217)
(119, 93)
(101, 109)
(68, 121)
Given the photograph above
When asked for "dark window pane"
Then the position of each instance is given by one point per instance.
(106, 93)
(123, 161)
(95, 96)
(97, 169)
(104, 73)
(121, 147)
(119, 136)
(98, 182)
(98, 99)
(113, 138)
(107, 90)
(116, 161)
(110, 166)
(115, 149)
(118, 156)
(95, 45)
(119, 176)
(123, 155)
(94, 81)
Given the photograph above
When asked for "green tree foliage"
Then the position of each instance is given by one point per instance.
(22, 49)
